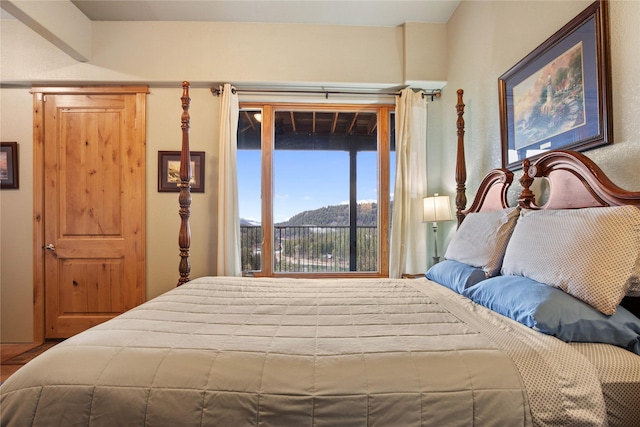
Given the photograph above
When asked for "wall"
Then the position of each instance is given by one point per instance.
(162, 55)
(168, 52)
(16, 225)
(482, 39)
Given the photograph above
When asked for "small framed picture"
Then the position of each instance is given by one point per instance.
(169, 171)
(9, 165)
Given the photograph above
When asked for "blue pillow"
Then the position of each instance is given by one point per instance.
(455, 275)
(554, 312)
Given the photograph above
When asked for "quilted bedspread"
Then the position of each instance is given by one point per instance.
(325, 352)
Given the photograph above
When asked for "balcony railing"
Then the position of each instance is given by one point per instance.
(311, 249)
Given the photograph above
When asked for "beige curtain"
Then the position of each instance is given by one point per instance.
(228, 259)
(408, 252)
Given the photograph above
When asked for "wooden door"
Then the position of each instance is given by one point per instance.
(93, 195)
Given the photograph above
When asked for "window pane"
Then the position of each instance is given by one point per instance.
(249, 162)
(311, 210)
(325, 164)
(367, 220)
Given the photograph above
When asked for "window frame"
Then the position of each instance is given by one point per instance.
(268, 110)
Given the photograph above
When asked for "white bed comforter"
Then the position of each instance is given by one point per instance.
(272, 352)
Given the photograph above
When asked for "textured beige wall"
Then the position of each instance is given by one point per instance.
(425, 48)
(16, 226)
(160, 53)
(486, 38)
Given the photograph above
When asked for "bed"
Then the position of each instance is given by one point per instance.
(440, 350)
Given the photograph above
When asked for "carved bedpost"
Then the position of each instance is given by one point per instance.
(461, 167)
(184, 238)
(527, 198)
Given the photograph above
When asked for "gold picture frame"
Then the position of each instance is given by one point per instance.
(559, 96)
(169, 171)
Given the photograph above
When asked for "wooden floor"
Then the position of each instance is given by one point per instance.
(14, 356)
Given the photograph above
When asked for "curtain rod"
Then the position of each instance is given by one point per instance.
(217, 91)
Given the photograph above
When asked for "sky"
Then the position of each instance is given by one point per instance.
(305, 180)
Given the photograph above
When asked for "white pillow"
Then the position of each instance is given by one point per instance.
(482, 238)
(592, 253)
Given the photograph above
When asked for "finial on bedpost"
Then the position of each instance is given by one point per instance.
(527, 198)
(184, 237)
(461, 167)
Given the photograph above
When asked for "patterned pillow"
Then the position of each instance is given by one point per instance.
(592, 253)
(482, 238)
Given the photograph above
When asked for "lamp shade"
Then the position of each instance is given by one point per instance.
(437, 208)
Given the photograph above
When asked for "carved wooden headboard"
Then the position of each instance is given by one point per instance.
(574, 181)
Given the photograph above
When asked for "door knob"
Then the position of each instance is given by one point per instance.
(50, 247)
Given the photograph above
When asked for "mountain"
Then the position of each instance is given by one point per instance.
(335, 215)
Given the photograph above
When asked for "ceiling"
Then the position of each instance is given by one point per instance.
(383, 13)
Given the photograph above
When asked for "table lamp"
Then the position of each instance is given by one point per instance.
(436, 209)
